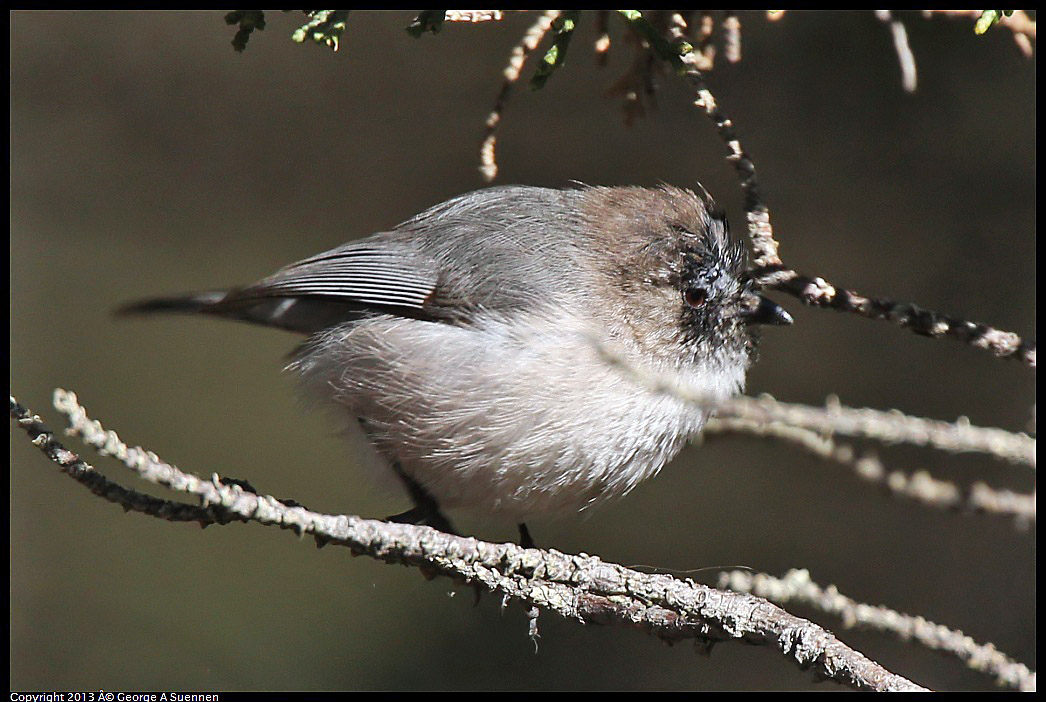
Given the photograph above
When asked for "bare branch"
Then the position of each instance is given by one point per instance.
(768, 268)
(818, 292)
(761, 233)
(919, 486)
(770, 271)
(892, 427)
(732, 36)
(83, 473)
(796, 586)
(473, 16)
(887, 427)
(579, 587)
(636, 85)
(531, 39)
(904, 51)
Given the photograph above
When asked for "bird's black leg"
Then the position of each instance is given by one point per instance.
(426, 510)
(525, 539)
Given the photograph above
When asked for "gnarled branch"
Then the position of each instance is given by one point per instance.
(579, 587)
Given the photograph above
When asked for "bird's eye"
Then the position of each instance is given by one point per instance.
(695, 297)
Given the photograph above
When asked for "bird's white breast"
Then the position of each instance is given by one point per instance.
(516, 417)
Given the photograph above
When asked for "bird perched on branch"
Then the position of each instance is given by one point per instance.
(492, 349)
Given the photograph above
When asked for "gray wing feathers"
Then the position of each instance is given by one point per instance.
(495, 249)
(319, 292)
(362, 273)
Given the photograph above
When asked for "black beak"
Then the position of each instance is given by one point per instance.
(768, 312)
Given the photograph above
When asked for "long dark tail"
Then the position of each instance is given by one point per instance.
(183, 304)
(304, 315)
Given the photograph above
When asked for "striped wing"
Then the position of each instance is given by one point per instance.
(368, 272)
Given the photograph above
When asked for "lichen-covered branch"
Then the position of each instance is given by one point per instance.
(818, 292)
(888, 427)
(797, 586)
(769, 270)
(474, 16)
(919, 486)
(764, 246)
(579, 587)
(131, 500)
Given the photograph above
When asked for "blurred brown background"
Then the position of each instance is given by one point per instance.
(147, 157)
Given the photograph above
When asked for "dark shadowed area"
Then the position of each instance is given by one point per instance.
(147, 157)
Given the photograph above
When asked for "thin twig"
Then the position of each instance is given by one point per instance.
(131, 500)
(892, 427)
(652, 32)
(732, 36)
(919, 486)
(770, 271)
(887, 427)
(531, 39)
(473, 16)
(583, 588)
(797, 586)
(818, 292)
(904, 51)
(556, 56)
(764, 245)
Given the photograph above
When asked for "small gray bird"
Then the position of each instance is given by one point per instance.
(470, 343)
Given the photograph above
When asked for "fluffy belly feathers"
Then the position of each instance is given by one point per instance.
(496, 418)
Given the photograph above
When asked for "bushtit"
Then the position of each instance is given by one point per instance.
(470, 343)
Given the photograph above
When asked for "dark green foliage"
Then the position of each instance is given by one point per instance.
(989, 18)
(426, 21)
(672, 52)
(556, 56)
(323, 27)
(249, 20)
